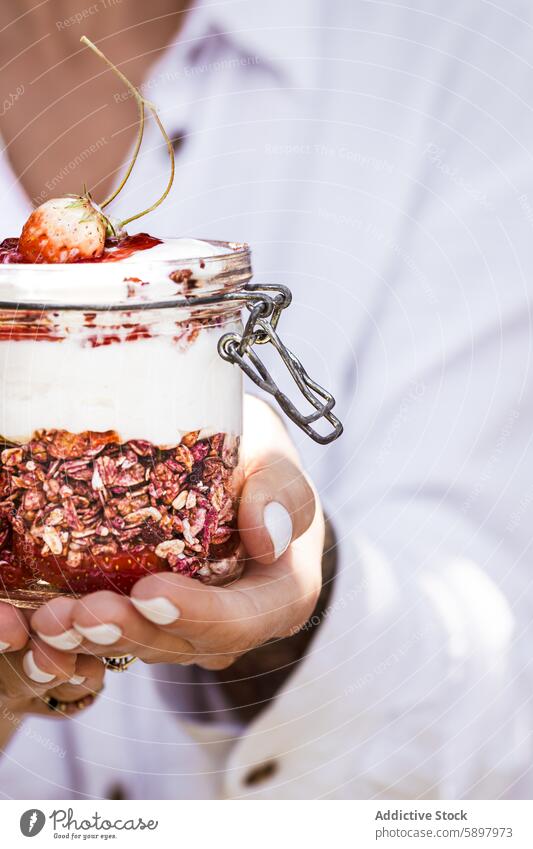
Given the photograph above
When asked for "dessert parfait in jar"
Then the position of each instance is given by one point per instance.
(120, 421)
(121, 361)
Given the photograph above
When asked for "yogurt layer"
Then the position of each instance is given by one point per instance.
(146, 389)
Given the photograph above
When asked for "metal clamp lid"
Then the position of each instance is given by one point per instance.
(266, 304)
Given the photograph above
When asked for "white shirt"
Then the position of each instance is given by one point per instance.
(377, 158)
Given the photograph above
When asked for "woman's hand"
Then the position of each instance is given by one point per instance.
(173, 619)
(30, 669)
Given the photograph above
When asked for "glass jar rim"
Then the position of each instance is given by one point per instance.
(211, 278)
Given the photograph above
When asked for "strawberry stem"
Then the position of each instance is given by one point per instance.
(168, 187)
(142, 103)
(140, 134)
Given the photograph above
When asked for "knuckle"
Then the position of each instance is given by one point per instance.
(16, 636)
(18, 640)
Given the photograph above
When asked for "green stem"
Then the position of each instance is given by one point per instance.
(141, 104)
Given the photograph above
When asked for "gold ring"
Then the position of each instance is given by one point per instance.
(67, 708)
(119, 664)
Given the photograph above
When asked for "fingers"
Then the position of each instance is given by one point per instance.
(13, 628)
(43, 665)
(34, 669)
(53, 624)
(88, 678)
(266, 602)
(200, 611)
(277, 503)
(31, 668)
(87, 681)
(277, 506)
(109, 625)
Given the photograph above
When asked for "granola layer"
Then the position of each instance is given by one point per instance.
(86, 510)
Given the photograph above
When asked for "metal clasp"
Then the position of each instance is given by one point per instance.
(265, 304)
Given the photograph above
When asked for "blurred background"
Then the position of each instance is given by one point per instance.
(377, 157)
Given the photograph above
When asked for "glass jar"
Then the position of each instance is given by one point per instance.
(121, 419)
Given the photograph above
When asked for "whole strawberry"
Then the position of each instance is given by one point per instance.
(63, 230)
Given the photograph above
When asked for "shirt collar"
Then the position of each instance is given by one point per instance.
(276, 33)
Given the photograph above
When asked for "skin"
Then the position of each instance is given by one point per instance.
(19, 695)
(67, 90)
(68, 101)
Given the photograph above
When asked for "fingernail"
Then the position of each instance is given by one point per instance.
(77, 680)
(32, 670)
(4, 646)
(102, 635)
(159, 610)
(278, 523)
(66, 640)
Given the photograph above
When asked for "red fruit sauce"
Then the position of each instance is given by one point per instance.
(115, 249)
(117, 572)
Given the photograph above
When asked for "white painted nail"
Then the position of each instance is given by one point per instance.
(4, 646)
(278, 523)
(32, 670)
(102, 635)
(77, 680)
(67, 640)
(159, 610)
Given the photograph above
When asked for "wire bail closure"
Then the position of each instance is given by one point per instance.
(265, 304)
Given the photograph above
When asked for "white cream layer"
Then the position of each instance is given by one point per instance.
(177, 249)
(107, 282)
(152, 389)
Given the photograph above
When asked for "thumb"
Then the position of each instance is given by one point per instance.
(277, 506)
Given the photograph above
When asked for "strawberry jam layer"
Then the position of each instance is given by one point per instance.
(118, 572)
(115, 249)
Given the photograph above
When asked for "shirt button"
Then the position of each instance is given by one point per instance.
(116, 792)
(261, 773)
(178, 138)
